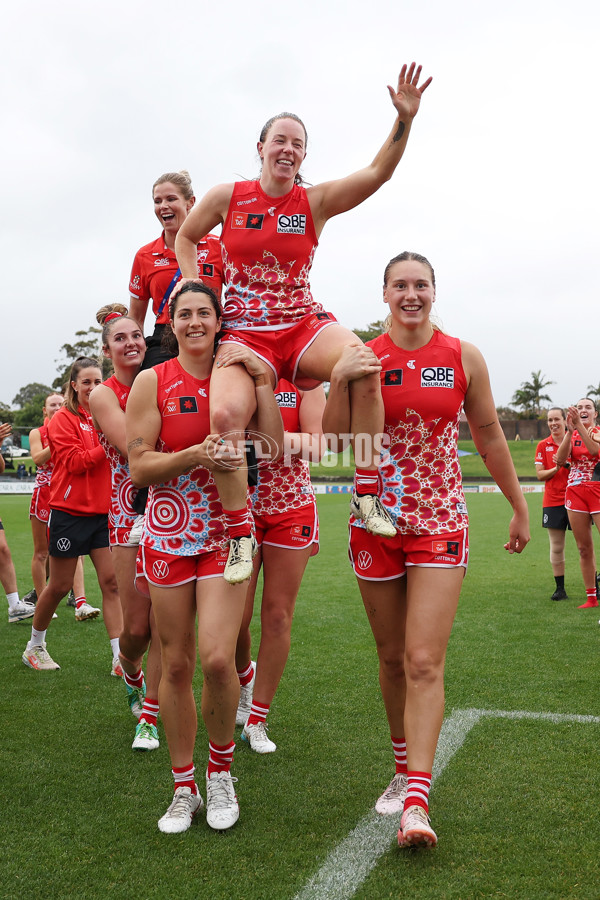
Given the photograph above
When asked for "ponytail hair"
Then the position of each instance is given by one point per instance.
(71, 399)
(181, 180)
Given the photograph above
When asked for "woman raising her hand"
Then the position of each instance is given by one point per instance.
(271, 229)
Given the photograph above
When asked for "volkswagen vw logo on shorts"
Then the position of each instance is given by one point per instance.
(63, 544)
(160, 569)
(364, 559)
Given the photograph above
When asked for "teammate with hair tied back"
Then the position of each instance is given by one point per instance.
(79, 501)
(554, 514)
(410, 584)
(123, 343)
(580, 449)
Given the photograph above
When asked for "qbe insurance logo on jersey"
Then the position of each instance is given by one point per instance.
(437, 376)
(247, 220)
(295, 224)
(287, 399)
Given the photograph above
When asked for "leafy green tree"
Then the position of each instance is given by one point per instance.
(593, 391)
(30, 392)
(6, 413)
(373, 330)
(89, 344)
(530, 397)
(30, 400)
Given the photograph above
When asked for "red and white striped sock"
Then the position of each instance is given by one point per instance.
(134, 681)
(184, 777)
(237, 522)
(417, 794)
(220, 758)
(258, 713)
(79, 601)
(149, 711)
(366, 481)
(246, 675)
(399, 745)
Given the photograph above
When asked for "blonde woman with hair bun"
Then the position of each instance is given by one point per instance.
(155, 270)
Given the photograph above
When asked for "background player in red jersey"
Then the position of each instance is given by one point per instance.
(123, 343)
(580, 446)
(183, 549)
(39, 509)
(271, 229)
(155, 270)
(79, 501)
(287, 530)
(17, 609)
(410, 585)
(554, 513)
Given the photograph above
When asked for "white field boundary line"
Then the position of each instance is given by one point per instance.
(349, 864)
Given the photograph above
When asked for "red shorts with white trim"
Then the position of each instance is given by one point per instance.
(119, 536)
(293, 530)
(584, 497)
(39, 508)
(382, 559)
(282, 348)
(167, 570)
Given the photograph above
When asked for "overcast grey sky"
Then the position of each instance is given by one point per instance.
(498, 186)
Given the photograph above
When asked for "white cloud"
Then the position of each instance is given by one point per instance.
(498, 186)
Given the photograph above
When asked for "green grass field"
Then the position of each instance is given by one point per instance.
(515, 807)
(342, 466)
(522, 452)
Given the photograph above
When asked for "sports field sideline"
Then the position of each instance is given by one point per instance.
(516, 796)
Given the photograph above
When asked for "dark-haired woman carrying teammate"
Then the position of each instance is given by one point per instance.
(183, 549)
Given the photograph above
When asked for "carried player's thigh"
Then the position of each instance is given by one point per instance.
(320, 357)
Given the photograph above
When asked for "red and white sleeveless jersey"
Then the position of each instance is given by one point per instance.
(285, 484)
(155, 265)
(423, 393)
(582, 462)
(43, 473)
(555, 487)
(267, 244)
(121, 513)
(183, 516)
